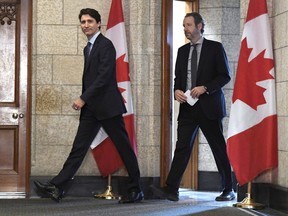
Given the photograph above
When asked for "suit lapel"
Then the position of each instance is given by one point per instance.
(202, 56)
(93, 50)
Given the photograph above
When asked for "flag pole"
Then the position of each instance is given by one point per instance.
(248, 202)
(108, 194)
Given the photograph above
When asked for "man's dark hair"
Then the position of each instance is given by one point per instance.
(197, 19)
(91, 12)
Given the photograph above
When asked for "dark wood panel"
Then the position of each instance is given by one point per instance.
(9, 150)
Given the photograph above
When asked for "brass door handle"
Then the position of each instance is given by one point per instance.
(16, 115)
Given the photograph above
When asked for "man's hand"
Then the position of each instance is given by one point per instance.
(197, 91)
(180, 96)
(78, 104)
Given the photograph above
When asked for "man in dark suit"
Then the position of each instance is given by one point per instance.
(101, 105)
(204, 71)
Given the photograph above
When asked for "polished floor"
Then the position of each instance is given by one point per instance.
(190, 203)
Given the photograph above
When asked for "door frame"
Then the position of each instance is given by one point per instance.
(23, 96)
(166, 97)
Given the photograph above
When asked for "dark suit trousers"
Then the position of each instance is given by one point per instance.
(189, 120)
(87, 130)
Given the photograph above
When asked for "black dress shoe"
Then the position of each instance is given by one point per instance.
(226, 195)
(165, 193)
(50, 190)
(132, 197)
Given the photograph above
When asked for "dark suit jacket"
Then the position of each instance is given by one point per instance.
(213, 72)
(99, 86)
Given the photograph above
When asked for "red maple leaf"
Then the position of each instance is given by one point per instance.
(121, 91)
(122, 73)
(122, 69)
(248, 74)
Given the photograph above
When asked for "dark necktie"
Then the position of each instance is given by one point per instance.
(194, 66)
(87, 50)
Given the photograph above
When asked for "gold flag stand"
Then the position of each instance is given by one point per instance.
(108, 194)
(248, 202)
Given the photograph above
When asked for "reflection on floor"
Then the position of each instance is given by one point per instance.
(207, 199)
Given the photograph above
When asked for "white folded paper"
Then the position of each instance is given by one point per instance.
(190, 100)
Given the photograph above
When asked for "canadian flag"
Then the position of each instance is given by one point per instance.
(252, 131)
(103, 149)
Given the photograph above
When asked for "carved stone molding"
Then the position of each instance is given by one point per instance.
(8, 12)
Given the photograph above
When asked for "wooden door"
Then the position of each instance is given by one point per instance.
(15, 36)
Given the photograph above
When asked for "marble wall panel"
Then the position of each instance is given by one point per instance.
(264, 177)
(282, 169)
(282, 134)
(82, 41)
(149, 160)
(155, 70)
(56, 130)
(219, 3)
(281, 95)
(88, 166)
(139, 69)
(212, 26)
(67, 69)
(137, 12)
(148, 131)
(228, 98)
(278, 67)
(44, 69)
(33, 141)
(69, 94)
(49, 12)
(230, 21)
(56, 39)
(280, 7)
(147, 100)
(143, 39)
(50, 159)
(243, 8)
(72, 10)
(34, 66)
(282, 75)
(155, 13)
(280, 22)
(230, 44)
(206, 159)
(201, 138)
(48, 99)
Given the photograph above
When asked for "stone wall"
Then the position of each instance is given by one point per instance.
(279, 17)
